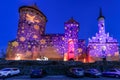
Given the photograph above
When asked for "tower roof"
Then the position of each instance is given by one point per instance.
(34, 6)
(71, 20)
(100, 14)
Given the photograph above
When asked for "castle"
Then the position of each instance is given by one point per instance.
(102, 46)
(32, 43)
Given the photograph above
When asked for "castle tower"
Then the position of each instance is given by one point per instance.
(102, 46)
(101, 23)
(30, 28)
(31, 23)
(71, 39)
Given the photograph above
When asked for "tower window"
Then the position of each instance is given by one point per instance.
(71, 28)
(29, 24)
(106, 40)
(102, 25)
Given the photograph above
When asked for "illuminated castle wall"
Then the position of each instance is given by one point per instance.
(32, 42)
(103, 46)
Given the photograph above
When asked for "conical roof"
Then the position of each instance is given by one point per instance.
(71, 20)
(35, 7)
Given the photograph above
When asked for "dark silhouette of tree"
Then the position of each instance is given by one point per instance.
(2, 53)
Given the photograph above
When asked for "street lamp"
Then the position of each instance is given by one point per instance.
(103, 53)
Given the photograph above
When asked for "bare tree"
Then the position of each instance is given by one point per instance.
(2, 53)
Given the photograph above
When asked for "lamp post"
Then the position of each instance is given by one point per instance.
(103, 58)
(103, 53)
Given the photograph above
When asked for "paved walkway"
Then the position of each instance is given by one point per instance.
(59, 77)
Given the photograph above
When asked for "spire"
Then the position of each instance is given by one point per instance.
(100, 14)
(71, 20)
(35, 6)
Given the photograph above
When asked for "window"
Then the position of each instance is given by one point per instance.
(112, 70)
(15, 69)
(6, 69)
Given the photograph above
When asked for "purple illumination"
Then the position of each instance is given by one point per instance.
(32, 43)
(102, 45)
(71, 33)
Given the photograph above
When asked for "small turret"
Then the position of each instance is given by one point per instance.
(101, 23)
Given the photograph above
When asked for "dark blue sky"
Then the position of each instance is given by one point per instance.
(59, 11)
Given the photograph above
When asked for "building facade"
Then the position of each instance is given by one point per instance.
(32, 43)
(102, 46)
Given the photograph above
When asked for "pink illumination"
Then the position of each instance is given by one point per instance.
(18, 57)
(84, 60)
(70, 49)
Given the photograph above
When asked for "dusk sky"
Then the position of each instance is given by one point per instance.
(60, 11)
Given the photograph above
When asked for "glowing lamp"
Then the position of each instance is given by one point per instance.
(103, 48)
(17, 57)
